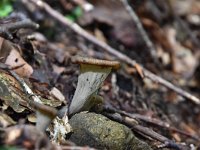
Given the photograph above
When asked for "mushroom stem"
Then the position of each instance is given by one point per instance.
(93, 73)
(89, 81)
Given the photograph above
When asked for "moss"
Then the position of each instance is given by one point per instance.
(100, 132)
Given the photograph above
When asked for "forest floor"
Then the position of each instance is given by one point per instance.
(156, 43)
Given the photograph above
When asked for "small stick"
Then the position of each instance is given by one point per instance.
(11, 25)
(76, 28)
(150, 120)
(145, 131)
(25, 87)
(141, 29)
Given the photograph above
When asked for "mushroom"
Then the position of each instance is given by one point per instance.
(45, 114)
(93, 73)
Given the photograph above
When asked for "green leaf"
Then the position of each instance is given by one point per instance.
(5, 8)
(75, 14)
(70, 17)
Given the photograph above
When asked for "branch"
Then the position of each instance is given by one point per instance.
(12, 25)
(149, 120)
(77, 29)
(145, 131)
(141, 29)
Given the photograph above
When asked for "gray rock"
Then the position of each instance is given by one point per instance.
(97, 131)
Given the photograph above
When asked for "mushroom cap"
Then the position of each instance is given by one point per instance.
(44, 109)
(45, 114)
(93, 61)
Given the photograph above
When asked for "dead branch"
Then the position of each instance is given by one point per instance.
(141, 29)
(77, 29)
(153, 121)
(145, 131)
(12, 25)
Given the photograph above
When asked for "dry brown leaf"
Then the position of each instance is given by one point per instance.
(57, 69)
(188, 128)
(27, 137)
(183, 61)
(176, 137)
(130, 70)
(57, 94)
(158, 34)
(5, 48)
(6, 121)
(149, 84)
(182, 7)
(14, 59)
(164, 56)
(99, 35)
(139, 70)
(119, 25)
(11, 93)
(11, 56)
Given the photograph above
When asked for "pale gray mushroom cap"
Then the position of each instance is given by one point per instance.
(93, 73)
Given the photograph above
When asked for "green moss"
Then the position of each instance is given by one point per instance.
(100, 132)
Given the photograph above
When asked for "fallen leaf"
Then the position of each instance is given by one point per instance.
(27, 137)
(14, 60)
(57, 94)
(57, 69)
(6, 121)
(139, 70)
(11, 93)
(181, 7)
(184, 61)
(119, 26)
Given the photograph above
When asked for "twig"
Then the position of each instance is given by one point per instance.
(149, 120)
(76, 28)
(7, 28)
(169, 85)
(145, 131)
(141, 29)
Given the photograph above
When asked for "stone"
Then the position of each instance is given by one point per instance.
(97, 131)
